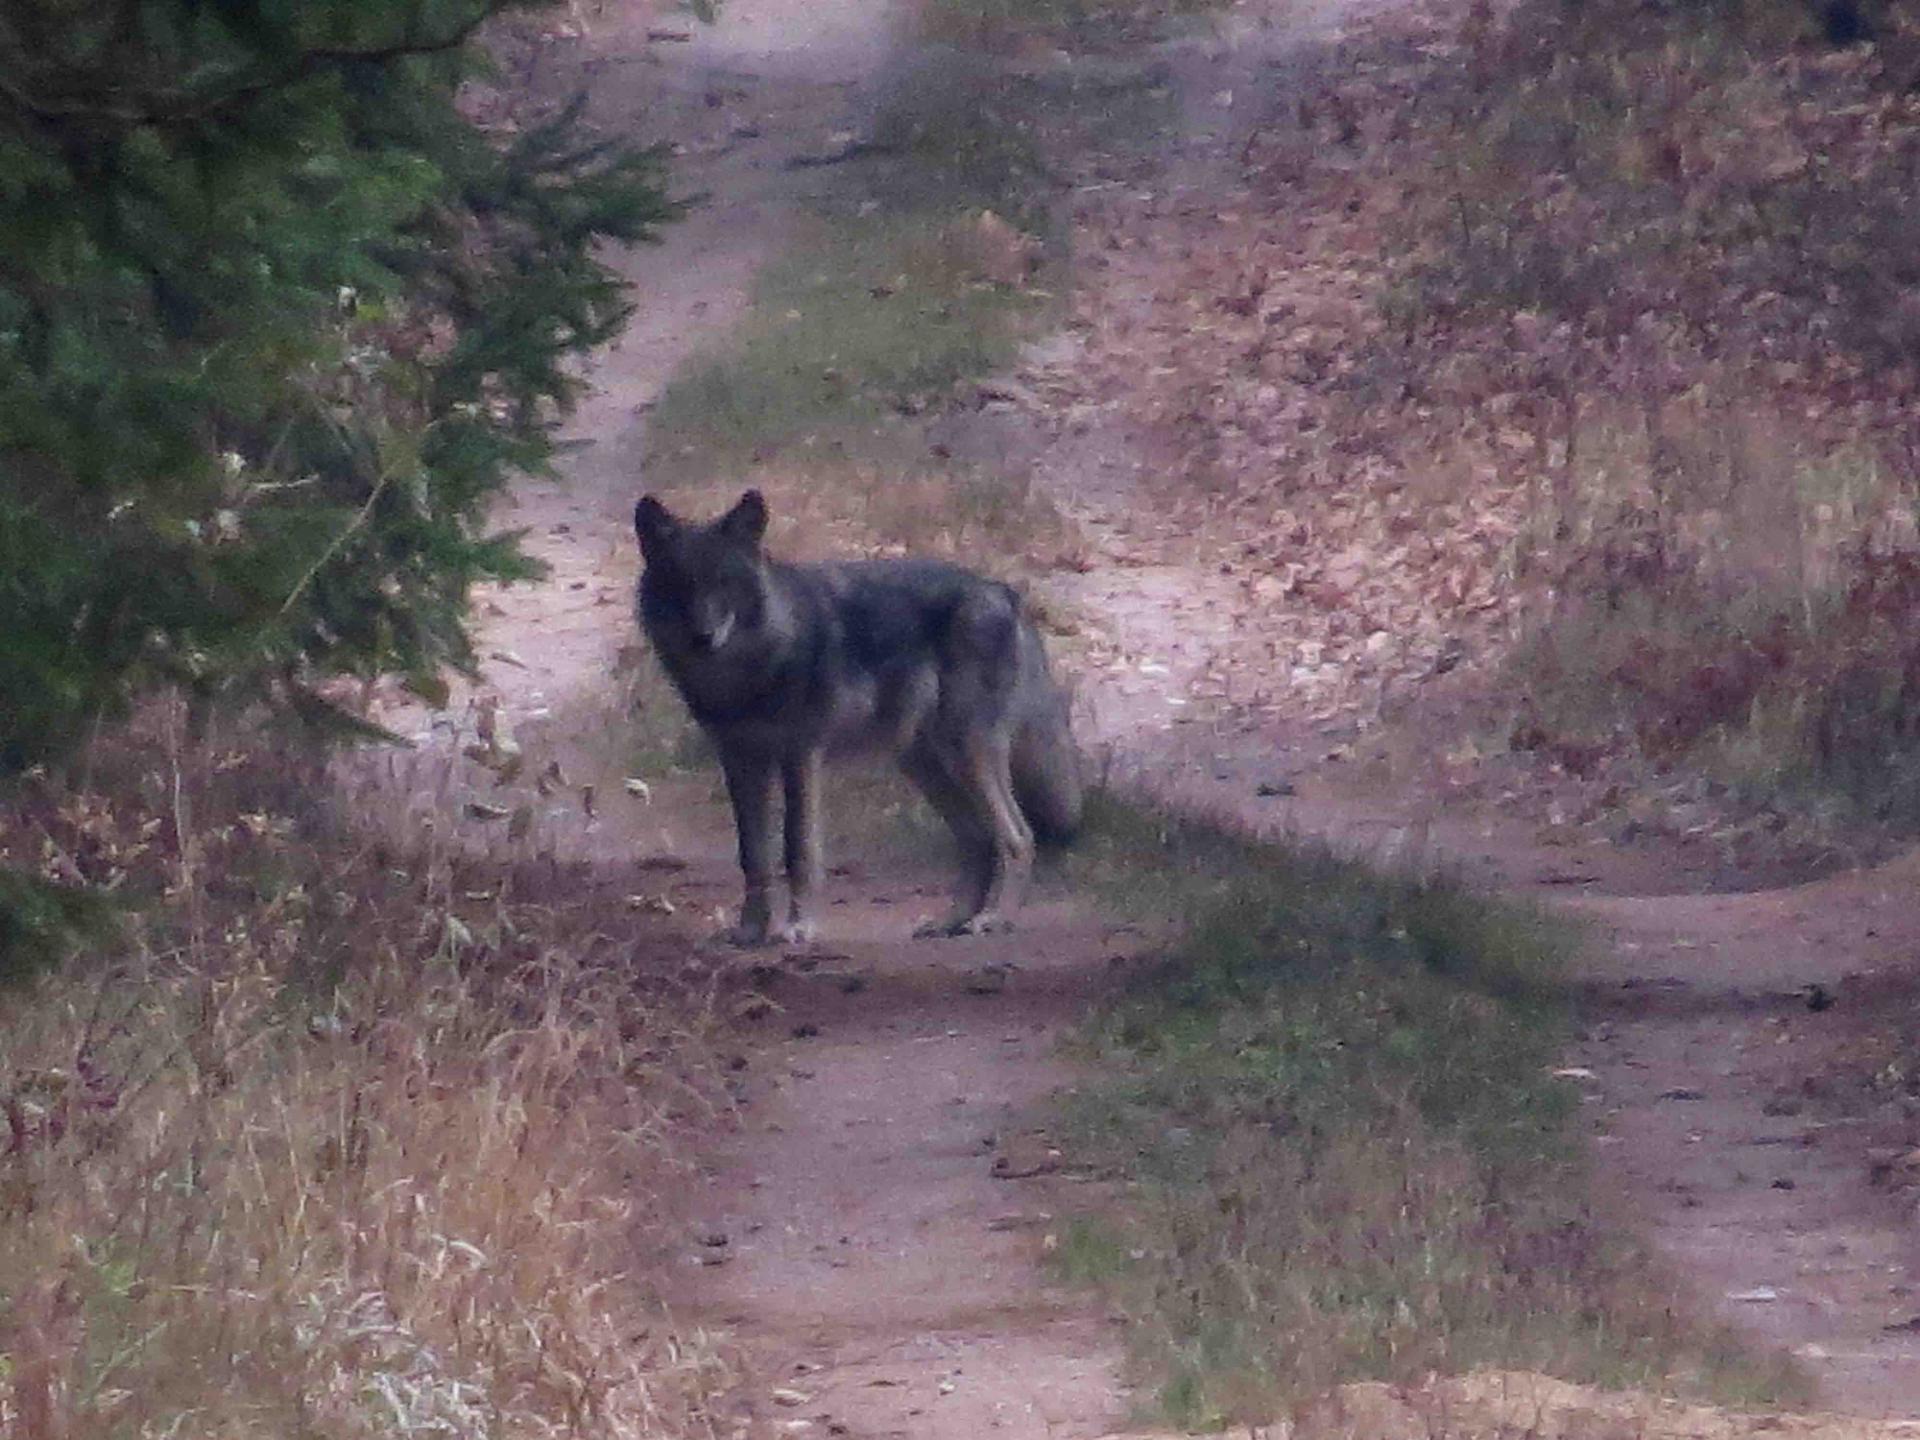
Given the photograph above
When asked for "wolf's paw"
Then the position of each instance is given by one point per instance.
(797, 932)
(743, 936)
(987, 922)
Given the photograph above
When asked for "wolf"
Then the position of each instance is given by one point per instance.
(784, 665)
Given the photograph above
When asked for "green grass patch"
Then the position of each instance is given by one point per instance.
(869, 319)
(893, 293)
(1348, 1156)
(1084, 24)
(926, 269)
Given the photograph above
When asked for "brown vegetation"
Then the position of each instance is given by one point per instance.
(1576, 342)
(338, 1136)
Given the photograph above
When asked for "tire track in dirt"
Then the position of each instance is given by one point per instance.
(882, 1213)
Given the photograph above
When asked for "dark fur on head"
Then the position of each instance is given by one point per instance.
(704, 584)
(660, 530)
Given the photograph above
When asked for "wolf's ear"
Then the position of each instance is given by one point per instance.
(655, 526)
(746, 523)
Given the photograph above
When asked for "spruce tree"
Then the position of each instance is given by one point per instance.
(277, 322)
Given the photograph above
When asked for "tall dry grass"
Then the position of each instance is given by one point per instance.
(1714, 585)
(1682, 244)
(336, 1140)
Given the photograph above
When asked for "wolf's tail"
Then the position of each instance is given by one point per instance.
(1046, 772)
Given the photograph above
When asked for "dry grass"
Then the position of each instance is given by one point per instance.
(338, 1141)
(1671, 256)
(1714, 589)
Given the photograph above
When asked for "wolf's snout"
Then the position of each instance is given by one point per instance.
(711, 635)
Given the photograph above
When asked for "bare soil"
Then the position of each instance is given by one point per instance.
(871, 1227)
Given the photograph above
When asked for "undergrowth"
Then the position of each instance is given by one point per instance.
(1682, 242)
(1346, 1155)
(335, 1138)
(1741, 612)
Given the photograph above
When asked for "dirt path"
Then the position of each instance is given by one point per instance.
(870, 1232)
(867, 1229)
(881, 1219)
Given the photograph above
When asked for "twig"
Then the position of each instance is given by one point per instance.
(333, 547)
(839, 155)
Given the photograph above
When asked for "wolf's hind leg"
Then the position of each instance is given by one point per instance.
(971, 785)
(989, 776)
(949, 799)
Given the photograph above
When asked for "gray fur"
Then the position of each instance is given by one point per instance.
(784, 665)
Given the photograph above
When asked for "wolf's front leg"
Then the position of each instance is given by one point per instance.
(750, 786)
(801, 778)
